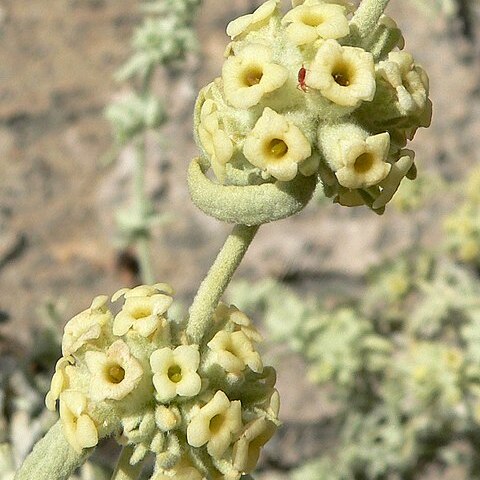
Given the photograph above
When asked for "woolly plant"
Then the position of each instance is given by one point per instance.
(322, 93)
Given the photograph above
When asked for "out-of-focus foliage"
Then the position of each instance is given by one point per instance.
(447, 7)
(463, 226)
(462, 15)
(165, 38)
(404, 361)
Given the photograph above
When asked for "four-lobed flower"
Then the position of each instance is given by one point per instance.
(276, 146)
(245, 23)
(357, 159)
(250, 75)
(234, 351)
(115, 373)
(215, 424)
(175, 372)
(79, 427)
(142, 311)
(344, 75)
(315, 20)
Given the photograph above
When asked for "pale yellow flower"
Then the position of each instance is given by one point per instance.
(246, 449)
(409, 81)
(252, 21)
(175, 372)
(276, 145)
(234, 351)
(314, 20)
(358, 160)
(215, 424)
(86, 326)
(114, 374)
(343, 75)
(80, 430)
(215, 141)
(142, 311)
(225, 313)
(364, 162)
(251, 74)
(60, 381)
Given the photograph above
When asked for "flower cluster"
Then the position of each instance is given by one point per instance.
(203, 410)
(302, 94)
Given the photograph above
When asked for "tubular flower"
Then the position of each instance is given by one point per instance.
(59, 382)
(215, 141)
(114, 373)
(175, 372)
(142, 311)
(358, 160)
(313, 20)
(234, 351)
(344, 75)
(253, 20)
(78, 426)
(86, 326)
(215, 424)
(276, 146)
(409, 81)
(251, 74)
(247, 448)
(157, 394)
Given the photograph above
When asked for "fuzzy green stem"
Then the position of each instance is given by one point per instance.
(52, 458)
(142, 207)
(217, 280)
(367, 15)
(125, 471)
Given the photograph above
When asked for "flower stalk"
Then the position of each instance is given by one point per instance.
(217, 280)
(367, 15)
(52, 458)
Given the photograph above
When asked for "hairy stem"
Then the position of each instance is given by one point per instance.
(52, 458)
(367, 15)
(217, 280)
(125, 471)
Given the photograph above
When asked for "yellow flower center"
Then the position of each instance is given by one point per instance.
(312, 19)
(277, 148)
(363, 163)
(115, 373)
(175, 373)
(253, 76)
(342, 75)
(216, 423)
(141, 312)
